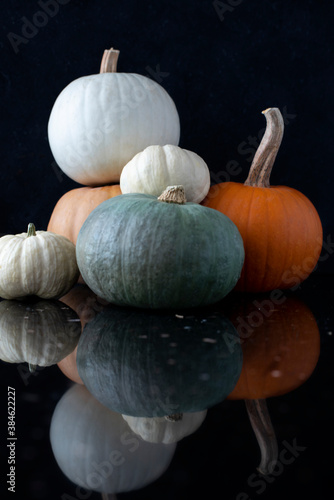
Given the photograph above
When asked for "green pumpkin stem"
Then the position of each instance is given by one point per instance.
(173, 194)
(31, 231)
(174, 417)
(265, 434)
(263, 161)
(109, 61)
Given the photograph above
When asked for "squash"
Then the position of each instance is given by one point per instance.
(280, 341)
(99, 122)
(73, 208)
(280, 227)
(150, 252)
(37, 263)
(37, 332)
(158, 363)
(166, 430)
(86, 304)
(96, 450)
(151, 171)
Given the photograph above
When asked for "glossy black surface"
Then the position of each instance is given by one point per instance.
(222, 454)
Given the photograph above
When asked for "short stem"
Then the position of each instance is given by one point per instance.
(31, 231)
(265, 434)
(109, 61)
(263, 161)
(32, 367)
(174, 417)
(173, 194)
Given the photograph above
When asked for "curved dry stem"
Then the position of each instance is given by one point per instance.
(265, 434)
(263, 161)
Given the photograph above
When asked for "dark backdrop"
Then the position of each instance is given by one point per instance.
(221, 62)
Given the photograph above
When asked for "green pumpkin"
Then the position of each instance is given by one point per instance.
(149, 252)
(158, 363)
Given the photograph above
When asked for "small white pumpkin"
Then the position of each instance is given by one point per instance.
(151, 171)
(40, 333)
(96, 449)
(37, 263)
(166, 429)
(99, 122)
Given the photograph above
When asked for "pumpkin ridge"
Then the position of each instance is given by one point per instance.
(245, 234)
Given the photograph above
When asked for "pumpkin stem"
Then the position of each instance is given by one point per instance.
(260, 420)
(109, 61)
(263, 161)
(31, 231)
(173, 194)
(32, 367)
(174, 417)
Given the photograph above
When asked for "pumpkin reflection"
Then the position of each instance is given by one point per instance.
(96, 449)
(86, 304)
(39, 332)
(153, 364)
(280, 341)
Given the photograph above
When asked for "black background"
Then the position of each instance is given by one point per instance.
(222, 68)
(222, 63)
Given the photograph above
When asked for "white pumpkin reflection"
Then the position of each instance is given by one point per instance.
(38, 332)
(96, 449)
(166, 429)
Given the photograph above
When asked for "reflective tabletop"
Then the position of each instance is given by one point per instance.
(232, 401)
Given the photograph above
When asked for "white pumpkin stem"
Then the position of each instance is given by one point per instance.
(32, 367)
(109, 61)
(265, 434)
(31, 231)
(173, 194)
(263, 161)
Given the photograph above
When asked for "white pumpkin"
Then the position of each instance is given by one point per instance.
(166, 430)
(96, 449)
(99, 122)
(40, 333)
(37, 263)
(155, 168)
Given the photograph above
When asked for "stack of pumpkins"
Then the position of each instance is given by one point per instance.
(154, 240)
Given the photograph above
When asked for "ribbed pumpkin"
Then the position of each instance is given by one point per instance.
(280, 341)
(86, 304)
(100, 122)
(143, 251)
(154, 364)
(280, 227)
(73, 208)
(37, 332)
(36, 263)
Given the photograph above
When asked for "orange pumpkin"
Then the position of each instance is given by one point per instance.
(86, 304)
(73, 208)
(280, 227)
(281, 346)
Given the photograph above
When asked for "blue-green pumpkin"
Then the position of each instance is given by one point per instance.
(159, 363)
(149, 252)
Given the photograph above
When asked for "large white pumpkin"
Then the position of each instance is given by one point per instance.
(96, 449)
(151, 171)
(99, 122)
